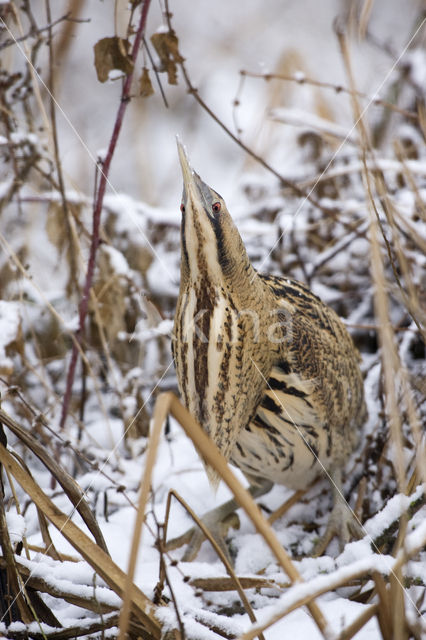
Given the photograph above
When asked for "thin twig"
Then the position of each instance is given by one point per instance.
(157, 75)
(84, 303)
(35, 32)
(301, 79)
(54, 130)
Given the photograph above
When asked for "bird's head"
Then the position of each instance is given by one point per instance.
(211, 243)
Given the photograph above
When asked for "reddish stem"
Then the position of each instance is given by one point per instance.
(97, 209)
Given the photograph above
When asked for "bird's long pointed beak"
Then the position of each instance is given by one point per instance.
(187, 172)
(200, 194)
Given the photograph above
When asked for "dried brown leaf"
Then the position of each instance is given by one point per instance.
(167, 47)
(55, 227)
(111, 294)
(145, 86)
(112, 53)
(60, 229)
(12, 339)
(8, 271)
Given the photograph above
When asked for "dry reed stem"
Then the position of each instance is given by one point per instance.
(384, 606)
(389, 355)
(69, 485)
(387, 338)
(168, 403)
(364, 17)
(55, 143)
(129, 587)
(35, 77)
(358, 623)
(410, 297)
(115, 578)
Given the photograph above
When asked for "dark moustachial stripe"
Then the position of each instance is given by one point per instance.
(183, 239)
(222, 255)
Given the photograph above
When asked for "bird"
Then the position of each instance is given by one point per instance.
(268, 370)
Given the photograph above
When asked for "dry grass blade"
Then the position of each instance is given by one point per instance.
(302, 593)
(168, 403)
(358, 623)
(11, 581)
(383, 611)
(64, 634)
(396, 616)
(227, 584)
(69, 485)
(234, 578)
(114, 577)
(50, 548)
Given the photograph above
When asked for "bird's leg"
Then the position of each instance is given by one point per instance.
(217, 521)
(342, 522)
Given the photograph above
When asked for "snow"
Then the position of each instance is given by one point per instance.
(393, 510)
(416, 62)
(300, 118)
(70, 577)
(117, 261)
(299, 76)
(72, 324)
(16, 526)
(10, 322)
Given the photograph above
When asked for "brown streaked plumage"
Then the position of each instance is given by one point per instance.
(268, 370)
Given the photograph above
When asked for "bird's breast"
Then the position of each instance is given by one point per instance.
(287, 441)
(210, 346)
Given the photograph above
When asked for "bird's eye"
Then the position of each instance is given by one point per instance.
(182, 208)
(216, 207)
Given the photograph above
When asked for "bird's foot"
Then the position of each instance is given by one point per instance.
(218, 522)
(342, 524)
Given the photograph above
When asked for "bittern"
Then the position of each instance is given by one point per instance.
(268, 370)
